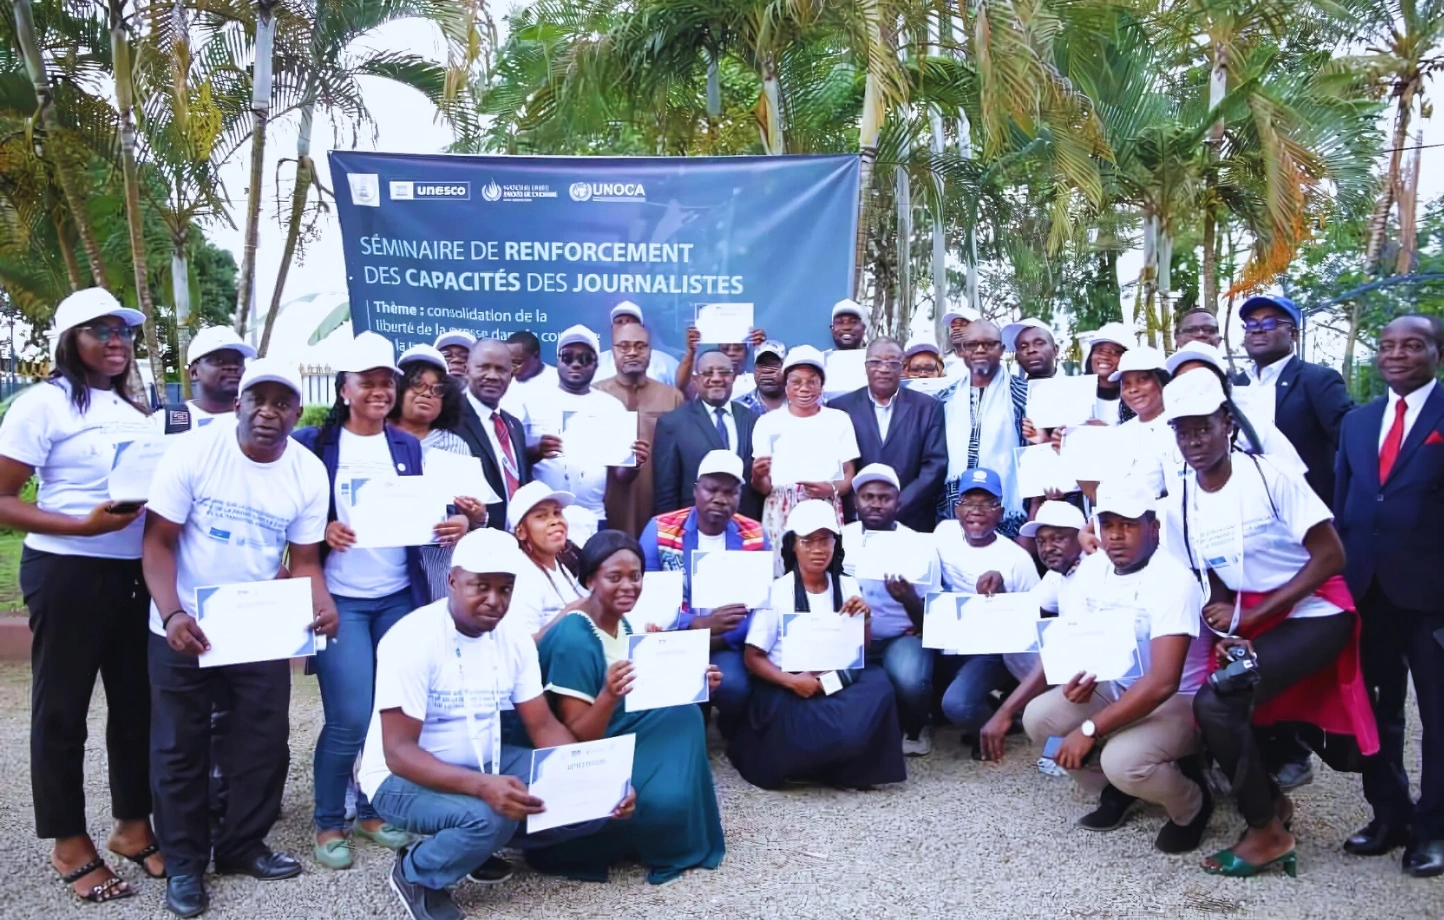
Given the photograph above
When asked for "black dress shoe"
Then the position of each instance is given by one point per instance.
(1113, 807)
(185, 895)
(268, 866)
(1377, 838)
(1425, 860)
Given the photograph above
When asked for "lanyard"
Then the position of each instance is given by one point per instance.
(494, 741)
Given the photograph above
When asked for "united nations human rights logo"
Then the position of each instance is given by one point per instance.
(491, 191)
(580, 191)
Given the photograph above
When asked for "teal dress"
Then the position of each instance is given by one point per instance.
(677, 825)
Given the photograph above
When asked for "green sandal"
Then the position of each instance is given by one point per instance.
(1229, 864)
(334, 854)
(388, 835)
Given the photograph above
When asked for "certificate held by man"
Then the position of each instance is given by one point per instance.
(821, 641)
(668, 668)
(1102, 643)
(259, 621)
(730, 577)
(605, 439)
(1001, 624)
(724, 323)
(580, 782)
(1057, 401)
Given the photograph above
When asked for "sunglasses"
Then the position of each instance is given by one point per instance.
(104, 333)
(579, 358)
(1268, 324)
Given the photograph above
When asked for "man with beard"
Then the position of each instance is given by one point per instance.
(215, 359)
(629, 503)
(767, 378)
(661, 366)
(849, 326)
(1032, 344)
(712, 421)
(955, 322)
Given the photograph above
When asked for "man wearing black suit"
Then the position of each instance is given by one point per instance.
(901, 428)
(483, 425)
(1389, 507)
(712, 421)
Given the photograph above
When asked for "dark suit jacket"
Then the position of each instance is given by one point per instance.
(1310, 402)
(916, 448)
(1394, 533)
(683, 438)
(472, 430)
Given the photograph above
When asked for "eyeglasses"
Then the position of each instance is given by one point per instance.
(824, 538)
(628, 348)
(429, 389)
(1268, 324)
(104, 332)
(988, 505)
(982, 346)
(1201, 329)
(877, 364)
(579, 358)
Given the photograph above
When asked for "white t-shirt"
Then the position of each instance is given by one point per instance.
(519, 395)
(963, 563)
(707, 543)
(573, 472)
(889, 617)
(539, 596)
(1236, 532)
(363, 572)
(1107, 410)
(829, 433)
(72, 454)
(238, 515)
(1164, 599)
(419, 672)
(743, 384)
(763, 631)
(1046, 591)
(1172, 468)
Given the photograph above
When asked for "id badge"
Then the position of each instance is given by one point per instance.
(831, 683)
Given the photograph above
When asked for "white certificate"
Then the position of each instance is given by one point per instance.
(898, 553)
(1057, 401)
(724, 323)
(259, 621)
(932, 386)
(133, 467)
(1258, 403)
(846, 371)
(668, 668)
(943, 621)
(659, 602)
(731, 577)
(1091, 453)
(403, 511)
(605, 440)
(797, 459)
(1002, 624)
(1040, 468)
(458, 474)
(1101, 643)
(820, 641)
(580, 782)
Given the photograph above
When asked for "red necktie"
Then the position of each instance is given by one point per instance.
(508, 462)
(1393, 442)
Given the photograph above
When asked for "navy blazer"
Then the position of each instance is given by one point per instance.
(1310, 401)
(472, 430)
(682, 438)
(405, 453)
(916, 448)
(1393, 533)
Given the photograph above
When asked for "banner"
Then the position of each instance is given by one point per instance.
(497, 244)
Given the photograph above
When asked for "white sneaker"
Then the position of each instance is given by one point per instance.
(921, 747)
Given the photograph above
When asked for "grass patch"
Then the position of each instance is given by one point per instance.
(11, 600)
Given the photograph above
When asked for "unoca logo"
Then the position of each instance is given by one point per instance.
(580, 191)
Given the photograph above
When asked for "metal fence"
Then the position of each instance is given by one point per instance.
(318, 385)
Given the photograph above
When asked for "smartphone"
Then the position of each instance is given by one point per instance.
(125, 507)
(1051, 746)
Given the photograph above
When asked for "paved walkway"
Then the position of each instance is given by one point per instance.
(959, 839)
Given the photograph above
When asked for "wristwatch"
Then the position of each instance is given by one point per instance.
(1088, 728)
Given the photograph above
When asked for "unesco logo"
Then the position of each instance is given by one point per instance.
(491, 191)
(580, 191)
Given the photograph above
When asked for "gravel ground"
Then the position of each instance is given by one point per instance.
(959, 839)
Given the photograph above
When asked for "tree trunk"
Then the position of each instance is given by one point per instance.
(1217, 90)
(1209, 269)
(1165, 290)
(1379, 221)
(35, 67)
(939, 142)
(260, 115)
(67, 252)
(1408, 211)
(769, 116)
(180, 290)
(1148, 278)
(873, 114)
(714, 87)
(305, 173)
(904, 193)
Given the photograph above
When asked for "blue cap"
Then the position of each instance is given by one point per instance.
(979, 478)
(1271, 300)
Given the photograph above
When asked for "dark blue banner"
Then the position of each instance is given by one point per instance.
(499, 244)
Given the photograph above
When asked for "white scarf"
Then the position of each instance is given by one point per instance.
(997, 435)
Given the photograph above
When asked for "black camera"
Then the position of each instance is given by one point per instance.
(1239, 676)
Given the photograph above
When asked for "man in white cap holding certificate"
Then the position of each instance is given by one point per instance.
(434, 761)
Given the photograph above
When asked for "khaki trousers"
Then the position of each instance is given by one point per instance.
(1139, 760)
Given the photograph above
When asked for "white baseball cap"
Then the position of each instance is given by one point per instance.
(369, 351)
(92, 303)
(805, 354)
(811, 516)
(1013, 330)
(489, 550)
(431, 354)
(848, 305)
(1116, 333)
(1195, 351)
(1053, 514)
(875, 472)
(1123, 496)
(722, 462)
(531, 495)
(217, 338)
(1191, 395)
(1141, 358)
(271, 370)
(770, 347)
(454, 337)
(627, 308)
(578, 335)
(918, 346)
(959, 312)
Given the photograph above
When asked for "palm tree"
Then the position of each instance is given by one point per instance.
(261, 82)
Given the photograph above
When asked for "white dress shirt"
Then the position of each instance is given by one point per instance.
(485, 413)
(1415, 402)
(728, 422)
(883, 412)
(1269, 374)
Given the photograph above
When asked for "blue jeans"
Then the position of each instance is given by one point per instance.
(910, 668)
(730, 697)
(461, 831)
(346, 671)
(965, 702)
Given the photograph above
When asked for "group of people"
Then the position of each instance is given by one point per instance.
(1273, 572)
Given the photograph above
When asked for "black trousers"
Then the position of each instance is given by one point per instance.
(1288, 653)
(255, 756)
(88, 617)
(1396, 643)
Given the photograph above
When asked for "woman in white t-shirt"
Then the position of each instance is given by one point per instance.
(373, 587)
(550, 586)
(81, 576)
(1269, 561)
(802, 434)
(838, 727)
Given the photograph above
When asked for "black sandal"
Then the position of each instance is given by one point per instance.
(140, 858)
(99, 894)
